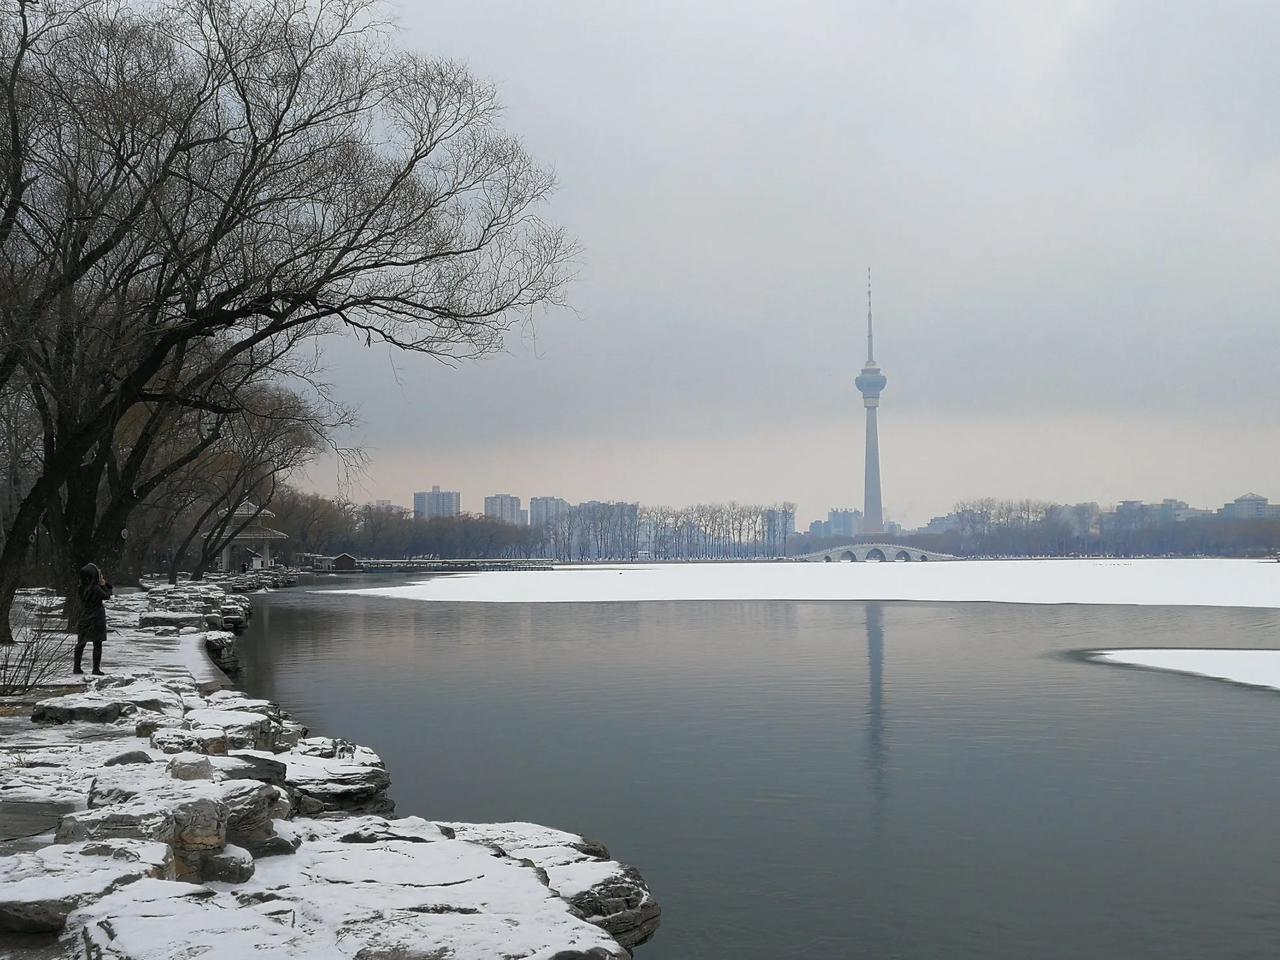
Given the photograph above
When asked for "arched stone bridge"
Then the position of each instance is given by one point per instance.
(861, 552)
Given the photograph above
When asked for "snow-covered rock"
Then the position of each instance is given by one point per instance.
(335, 775)
(190, 817)
(178, 619)
(129, 757)
(610, 894)
(190, 766)
(80, 707)
(241, 729)
(38, 890)
(184, 739)
(417, 896)
(231, 865)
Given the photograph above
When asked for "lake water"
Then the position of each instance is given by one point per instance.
(887, 780)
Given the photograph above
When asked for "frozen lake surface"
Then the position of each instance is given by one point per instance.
(1219, 583)
(1257, 668)
(833, 778)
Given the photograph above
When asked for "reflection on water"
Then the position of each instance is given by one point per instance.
(964, 788)
(876, 751)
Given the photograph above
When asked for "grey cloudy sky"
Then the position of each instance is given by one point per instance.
(1070, 210)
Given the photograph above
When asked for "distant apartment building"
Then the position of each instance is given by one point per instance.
(844, 523)
(1250, 506)
(437, 503)
(779, 524)
(543, 511)
(1136, 513)
(945, 524)
(505, 507)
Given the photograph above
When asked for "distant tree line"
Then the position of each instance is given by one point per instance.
(1021, 528)
(594, 530)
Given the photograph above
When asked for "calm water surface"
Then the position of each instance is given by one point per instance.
(830, 779)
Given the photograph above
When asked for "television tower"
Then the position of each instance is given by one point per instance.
(869, 383)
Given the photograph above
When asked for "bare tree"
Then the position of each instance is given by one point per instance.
(189, 182)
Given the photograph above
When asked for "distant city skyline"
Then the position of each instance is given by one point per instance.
(840, 522)
(1067, 209)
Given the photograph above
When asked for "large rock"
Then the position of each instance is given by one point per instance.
(146, 694)
(190, 766)
(242, 729)
(38, 890)
(121, 784)
(609, 894)
(129, 757)
(108, 701)
(221, 648)
(206, 740)
(190, 817)
(80, 708)
(333, 775)
(178, 619)
(231, 865)
(242, 765)
(250, 811)
(376, 900)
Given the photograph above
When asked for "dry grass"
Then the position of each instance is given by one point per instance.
(41, 651)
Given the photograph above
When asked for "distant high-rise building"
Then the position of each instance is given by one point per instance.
(844, 523)
(437, 503)
(544, 510)
(1250, 506)
(504, 507)
(869, 383)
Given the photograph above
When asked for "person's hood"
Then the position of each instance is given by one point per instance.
(89, 574)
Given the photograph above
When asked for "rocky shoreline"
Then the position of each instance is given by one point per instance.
(162, 814)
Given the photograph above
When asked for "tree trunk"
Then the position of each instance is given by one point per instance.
(20, 533)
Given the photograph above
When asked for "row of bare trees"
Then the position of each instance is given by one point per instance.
(193, 193)
(589, 531)
(991, 527)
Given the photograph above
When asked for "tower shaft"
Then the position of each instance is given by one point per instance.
(872, 510)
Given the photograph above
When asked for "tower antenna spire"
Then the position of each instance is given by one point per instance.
(870, 351)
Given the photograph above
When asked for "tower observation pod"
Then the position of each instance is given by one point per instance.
(869, 383)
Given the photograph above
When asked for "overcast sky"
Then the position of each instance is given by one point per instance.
(1071, 211)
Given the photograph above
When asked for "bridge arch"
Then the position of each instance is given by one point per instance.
(871, 551)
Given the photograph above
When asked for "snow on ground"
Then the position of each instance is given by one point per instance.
(1258, 668)
(1218, 583)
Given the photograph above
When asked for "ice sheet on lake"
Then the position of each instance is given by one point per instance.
(1219, 583)
(1258, 668)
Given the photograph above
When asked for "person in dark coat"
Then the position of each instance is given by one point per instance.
(95, 590)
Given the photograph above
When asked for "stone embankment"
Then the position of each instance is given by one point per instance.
(164, 816)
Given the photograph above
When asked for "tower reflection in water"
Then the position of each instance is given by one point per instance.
(877, 751)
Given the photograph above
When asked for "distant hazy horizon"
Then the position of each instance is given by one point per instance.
(1068, 211)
